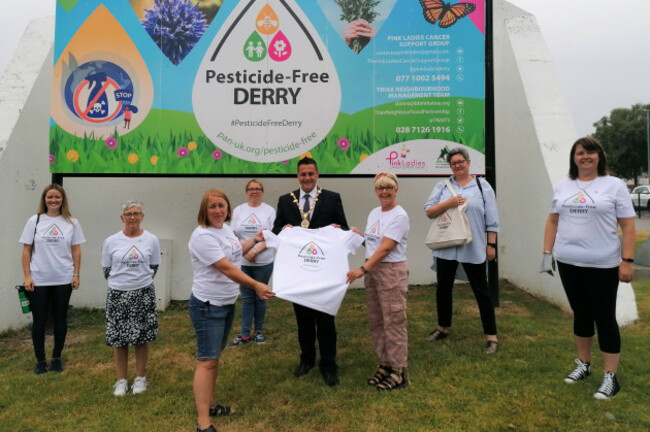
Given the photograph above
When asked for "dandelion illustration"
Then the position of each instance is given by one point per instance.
(352, 10)
(343, 143)
(285, 162)
(111, 143)
(175, 26)
(363, 157)
(133, 158)
(182, 152)
(216, 155)
(304, 155)
(72, 155)
(191, 146)
(51, 158)
(153, 160)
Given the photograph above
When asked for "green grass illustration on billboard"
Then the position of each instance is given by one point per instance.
(249, 87)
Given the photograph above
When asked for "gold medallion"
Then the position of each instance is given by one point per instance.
(304, 223)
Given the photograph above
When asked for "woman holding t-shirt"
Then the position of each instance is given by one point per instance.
(51, 262)
(216, 253)
(130, 259)
(248, 219)
(386, 281)
(581, 232)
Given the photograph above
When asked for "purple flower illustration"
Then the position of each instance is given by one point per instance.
(182, 151)
(175, 26)
(344, 143)
(51, 158)
(216, 155)
(111, 143)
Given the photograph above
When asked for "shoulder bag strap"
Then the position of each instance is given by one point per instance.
(38, 217)
(478, 182)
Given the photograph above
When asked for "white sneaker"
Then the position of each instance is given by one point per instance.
(139, 385)
(120, 387)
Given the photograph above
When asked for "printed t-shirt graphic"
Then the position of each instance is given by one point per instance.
(130, 260)
(311, 265)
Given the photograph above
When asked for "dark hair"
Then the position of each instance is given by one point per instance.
(457, 150)
(202, 218)
(42, 206)
(590, 144)
(306, 161)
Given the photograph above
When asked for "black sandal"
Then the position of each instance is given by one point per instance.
(382, 373)
(220, 411)
(390, 383)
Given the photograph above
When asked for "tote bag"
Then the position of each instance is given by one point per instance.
(451, 228)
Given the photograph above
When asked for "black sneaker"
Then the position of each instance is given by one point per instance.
(609, 388)
(56, 365)
(40, 368)
(582, 371)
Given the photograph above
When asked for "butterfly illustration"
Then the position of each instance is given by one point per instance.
(446, 14)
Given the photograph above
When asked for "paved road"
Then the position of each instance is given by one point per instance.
(643, 223)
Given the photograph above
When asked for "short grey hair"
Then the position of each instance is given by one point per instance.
(457, 150)
(132, 203)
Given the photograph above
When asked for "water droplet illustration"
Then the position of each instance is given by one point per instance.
(269, 111)
(91, 87)
(255, 48)
(280, 48)
(267, 21)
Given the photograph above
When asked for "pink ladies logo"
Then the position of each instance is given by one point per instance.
(267, 24)
(400, 160)
(133, 258)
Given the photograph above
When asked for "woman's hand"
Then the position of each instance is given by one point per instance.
(263, 291)
(75, 282)
(29, 284)
(259, 237)
(353, 275)
(626, 272)
(455, 201)
(491, 253)
(356, 230)
(358, 28)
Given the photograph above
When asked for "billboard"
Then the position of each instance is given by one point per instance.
(247, 87)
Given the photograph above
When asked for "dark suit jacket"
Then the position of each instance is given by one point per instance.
(328, 210)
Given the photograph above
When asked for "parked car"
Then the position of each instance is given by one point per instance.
(640, 196)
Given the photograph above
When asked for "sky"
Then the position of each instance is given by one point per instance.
(601, 49)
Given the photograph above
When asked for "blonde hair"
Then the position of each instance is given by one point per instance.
(386, 179)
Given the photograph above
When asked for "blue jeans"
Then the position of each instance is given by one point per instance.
(252, 305)
(212, 325)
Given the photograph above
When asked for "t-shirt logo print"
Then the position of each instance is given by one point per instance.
(580, 206)
(312, 257)
(53, 234)
(374, 229)
(133, 257)
(252, 224)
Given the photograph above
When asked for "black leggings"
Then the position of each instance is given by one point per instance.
(592, 296)
(43, 300)
(476, 273)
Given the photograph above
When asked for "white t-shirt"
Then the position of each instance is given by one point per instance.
(246, 221)
(52, 262)
(393, 224)
(207, 246)
(311, 265)
(130, 260)
(587, 225)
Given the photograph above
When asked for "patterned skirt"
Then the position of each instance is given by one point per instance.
(131, 317)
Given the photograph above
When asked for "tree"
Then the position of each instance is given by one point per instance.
(624, 136)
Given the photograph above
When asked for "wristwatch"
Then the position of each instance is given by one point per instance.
(494, 245)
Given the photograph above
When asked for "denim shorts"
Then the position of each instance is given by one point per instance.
(212, 325)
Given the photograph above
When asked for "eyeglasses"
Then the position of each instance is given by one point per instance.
(379, 188)
(254, 190)
(134, 214)
(457, 163)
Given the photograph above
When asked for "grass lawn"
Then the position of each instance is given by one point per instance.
(454, 386)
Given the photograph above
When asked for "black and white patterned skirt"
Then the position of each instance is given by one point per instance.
(131, 317)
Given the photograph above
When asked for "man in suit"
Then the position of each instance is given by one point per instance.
(312, 207)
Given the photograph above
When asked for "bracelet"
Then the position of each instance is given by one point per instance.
(630, 260)
(75, 275)
(492, 245)
(364, 270)
(547, 252)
